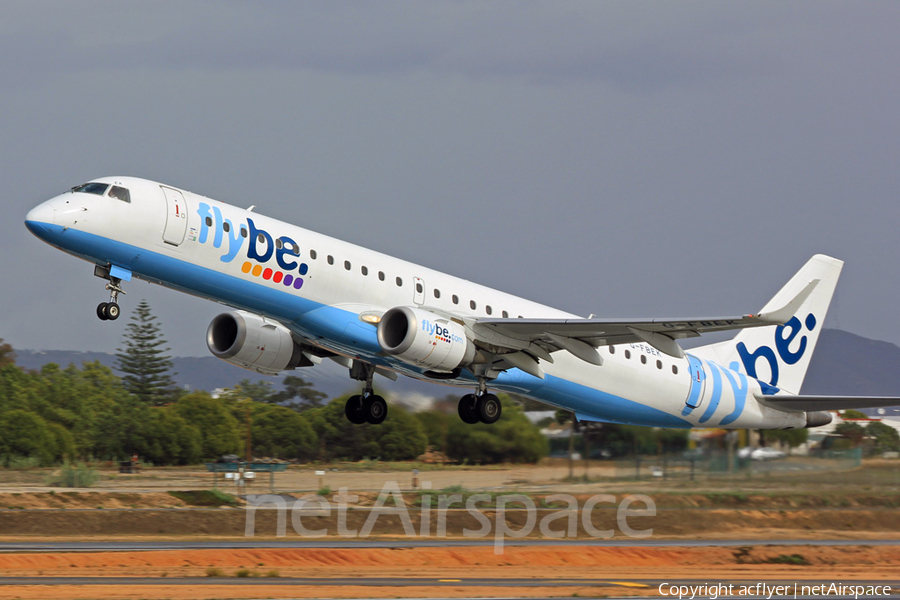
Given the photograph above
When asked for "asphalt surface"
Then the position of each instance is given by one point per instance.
(138, 546)
(663, 588)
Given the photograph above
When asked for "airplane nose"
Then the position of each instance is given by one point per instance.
(40, 216)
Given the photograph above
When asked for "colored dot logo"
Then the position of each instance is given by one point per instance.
(268, 274)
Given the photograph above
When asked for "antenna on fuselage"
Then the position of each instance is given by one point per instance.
(252, 206)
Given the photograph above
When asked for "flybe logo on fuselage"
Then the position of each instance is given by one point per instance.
(261, 247)
(440, 332)
(784, 337)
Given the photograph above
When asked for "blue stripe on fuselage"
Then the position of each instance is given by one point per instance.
(338, 328)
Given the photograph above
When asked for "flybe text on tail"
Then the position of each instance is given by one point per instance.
(785, 336)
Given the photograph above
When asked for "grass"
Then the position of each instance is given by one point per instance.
(213, 498)
(74, 475)
(787, 559)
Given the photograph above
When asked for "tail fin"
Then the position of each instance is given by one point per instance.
(780, 355)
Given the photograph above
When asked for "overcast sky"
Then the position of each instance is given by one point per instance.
(630, 159)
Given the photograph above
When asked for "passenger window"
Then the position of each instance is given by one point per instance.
(505, 314)
(437, 293)
(628, 354)
(472, 304)
(209, 221)
(347, 264)
(330, 259)
(226, 227)
(643, 359)
(419, 288)
(399, 282)
(455, 299)
(612, 349)
(364, 270)
(675, 369)
(261, 239)
(381, 275)
(120, 193)
(243, 230)
(659, 364)
(312, 254)
(488, 309)
(279, 244)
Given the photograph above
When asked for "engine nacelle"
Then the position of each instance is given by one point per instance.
(424, 339)
(252, 342)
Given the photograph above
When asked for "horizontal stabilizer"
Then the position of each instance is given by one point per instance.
(813, 403)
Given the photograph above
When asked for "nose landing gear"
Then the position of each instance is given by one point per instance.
(109, 311)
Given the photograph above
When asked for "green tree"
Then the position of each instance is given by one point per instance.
(399, 437)
(853, 414)
(298, 394)
(63, 442)
(7, 356)
(279, 432)
(144, 361)
(258, 391)
(26, 434)
(512, 439)
(218, 428)
(170, 440)
(852, 432)
(884, 437)
(791, 437)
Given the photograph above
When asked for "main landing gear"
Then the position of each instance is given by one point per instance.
(482, 407)
(109, 311)
(366, 407)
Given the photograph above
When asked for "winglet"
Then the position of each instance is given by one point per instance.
(782, 315)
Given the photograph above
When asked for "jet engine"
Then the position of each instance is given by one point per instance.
(424, 339)
(253, 342)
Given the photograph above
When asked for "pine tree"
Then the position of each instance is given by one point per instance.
(146, 367)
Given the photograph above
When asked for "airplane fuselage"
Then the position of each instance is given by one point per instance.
(320, 288)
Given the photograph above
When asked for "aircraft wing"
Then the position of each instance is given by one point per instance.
(554, 334)
(521, 342)
(814, 403)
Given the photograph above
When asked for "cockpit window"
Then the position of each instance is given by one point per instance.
(120, 193)
(91, 188)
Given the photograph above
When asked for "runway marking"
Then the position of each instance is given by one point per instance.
(449, 580)
(630, 584)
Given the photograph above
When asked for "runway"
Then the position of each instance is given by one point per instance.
(656, 587)
(349, 544)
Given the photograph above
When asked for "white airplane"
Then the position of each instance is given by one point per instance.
(302, 296)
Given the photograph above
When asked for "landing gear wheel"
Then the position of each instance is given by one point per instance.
(101, 311)
(112, 311)
(488, 408)
(375, 409)
(354, 410)
(466, 409)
